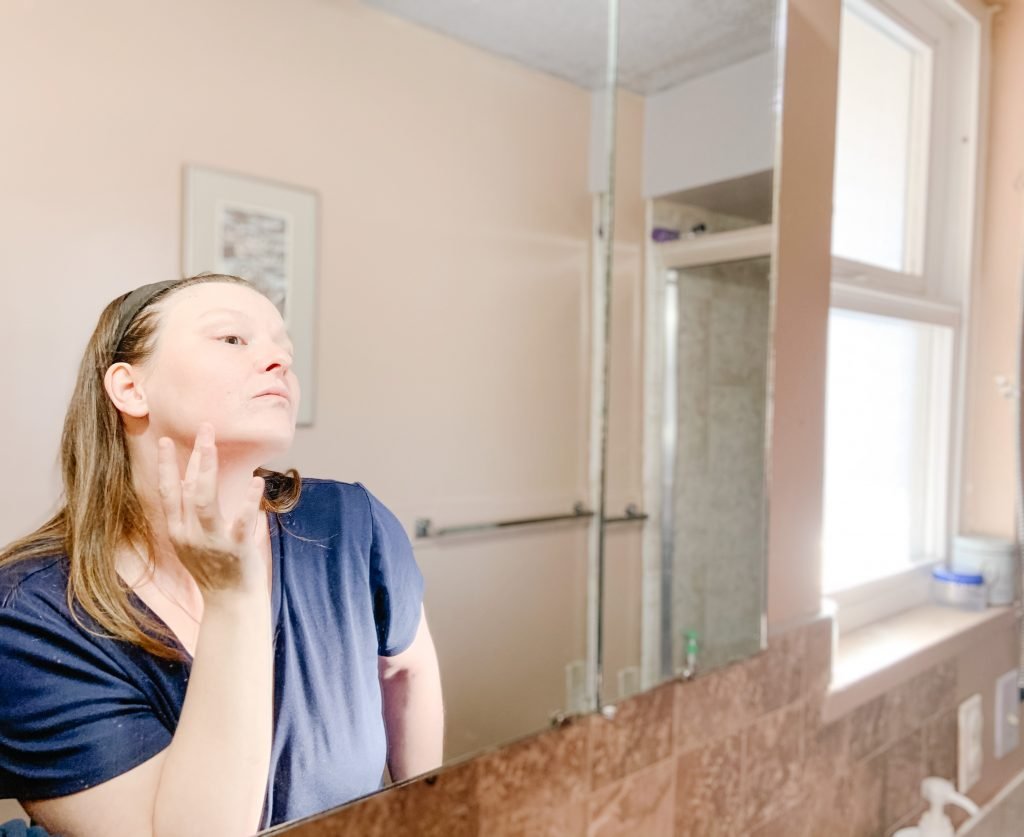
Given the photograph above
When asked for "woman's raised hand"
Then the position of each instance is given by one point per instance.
(223, 556)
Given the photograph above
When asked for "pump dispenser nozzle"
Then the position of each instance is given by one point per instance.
(935, 823)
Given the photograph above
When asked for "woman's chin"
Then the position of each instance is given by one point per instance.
(258, 443)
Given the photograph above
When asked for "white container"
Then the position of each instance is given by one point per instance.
(963, 590)
(994, 558)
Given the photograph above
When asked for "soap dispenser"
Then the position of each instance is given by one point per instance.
(939, 793)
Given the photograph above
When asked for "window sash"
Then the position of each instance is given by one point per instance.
(936, 498)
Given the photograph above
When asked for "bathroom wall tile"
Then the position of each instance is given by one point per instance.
(693, 364)
(736, 439)
(869, 728)
(826, 747)
(709, 790)
(911, 819)
(921, 698)
(639, 734)
(731, 698)
(780, 670)
(739, 329)
(940, 744)
(904, 770)
(568, 820)
(642, 803)
(542, 773)
(774, 766)
(443, 805)
(851, 806)
(817, 658)
(798, 821)
(715, 705)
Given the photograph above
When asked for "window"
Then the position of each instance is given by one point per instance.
(882, 137)
(887, 451)
(902, 236)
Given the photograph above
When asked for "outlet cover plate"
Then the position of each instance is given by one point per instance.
(1007, 714)
(970, 728)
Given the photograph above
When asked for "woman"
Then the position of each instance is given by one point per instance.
(195, 644)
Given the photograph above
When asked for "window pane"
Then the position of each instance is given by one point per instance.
(887, 425)
(881, 143)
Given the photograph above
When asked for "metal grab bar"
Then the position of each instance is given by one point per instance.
(425, 527)
(632, 513)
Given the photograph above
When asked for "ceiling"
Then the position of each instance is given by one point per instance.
(662, 43)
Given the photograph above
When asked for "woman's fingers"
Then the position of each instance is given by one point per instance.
(205, 496)
(188, 485)
(169, 484)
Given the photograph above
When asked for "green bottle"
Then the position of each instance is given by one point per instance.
(691, 653)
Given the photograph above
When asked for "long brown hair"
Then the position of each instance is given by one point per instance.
(100, 508)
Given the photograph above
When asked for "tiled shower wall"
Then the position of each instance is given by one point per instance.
(740, 751)
(719, 493)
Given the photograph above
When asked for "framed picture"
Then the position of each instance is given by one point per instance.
(265, 232)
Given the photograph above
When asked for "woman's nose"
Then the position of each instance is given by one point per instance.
(275, 357)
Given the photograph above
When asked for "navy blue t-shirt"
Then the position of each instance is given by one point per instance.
(77, 709)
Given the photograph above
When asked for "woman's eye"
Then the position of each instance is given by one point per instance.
(233, 340)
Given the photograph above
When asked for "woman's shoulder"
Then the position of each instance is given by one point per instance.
(327, 506)
(325, 484)
(326, 490)
(33, 578)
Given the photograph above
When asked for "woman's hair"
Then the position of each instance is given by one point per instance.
(100, 507)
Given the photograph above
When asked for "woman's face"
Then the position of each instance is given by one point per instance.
(220, 348)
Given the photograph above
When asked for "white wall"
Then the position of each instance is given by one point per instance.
(712, 128)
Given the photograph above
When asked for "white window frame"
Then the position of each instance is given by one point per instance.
(939, 291)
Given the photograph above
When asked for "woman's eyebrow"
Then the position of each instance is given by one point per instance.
(280, 334)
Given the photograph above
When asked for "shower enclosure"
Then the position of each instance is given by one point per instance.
(710, 299)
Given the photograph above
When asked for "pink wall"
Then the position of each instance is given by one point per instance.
(988, 499)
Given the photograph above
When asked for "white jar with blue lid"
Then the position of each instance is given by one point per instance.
(964, 590)
(993, 557)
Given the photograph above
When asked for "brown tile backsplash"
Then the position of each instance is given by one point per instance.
(940, 746)
(904, 770)
(642, 803)
(709, 789)
(740, 751)
(921, 698)
(639, 734)
(869, 728)
(540, 773)
(774, 779)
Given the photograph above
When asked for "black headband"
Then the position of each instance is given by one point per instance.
(135, 302)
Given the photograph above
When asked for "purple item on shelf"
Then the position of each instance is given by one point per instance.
(664, 234)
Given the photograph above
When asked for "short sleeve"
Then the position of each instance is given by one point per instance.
(396, 582)
(70, 718)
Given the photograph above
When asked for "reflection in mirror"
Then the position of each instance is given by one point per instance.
(446, 174)
(716, 361)
(689, 349)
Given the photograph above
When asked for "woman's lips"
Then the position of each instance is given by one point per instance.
(273, 395)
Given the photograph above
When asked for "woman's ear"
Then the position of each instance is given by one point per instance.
(124, 389)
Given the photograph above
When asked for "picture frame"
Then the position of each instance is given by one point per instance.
(265, 232)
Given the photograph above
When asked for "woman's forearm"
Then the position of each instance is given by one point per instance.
(214, 778)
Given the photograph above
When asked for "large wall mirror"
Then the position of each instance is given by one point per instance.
(697, 112)
(445, 163)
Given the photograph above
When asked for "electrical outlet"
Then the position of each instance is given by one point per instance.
(970, 727)
(1007, 715)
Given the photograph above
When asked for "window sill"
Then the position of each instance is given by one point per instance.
(874, 659)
